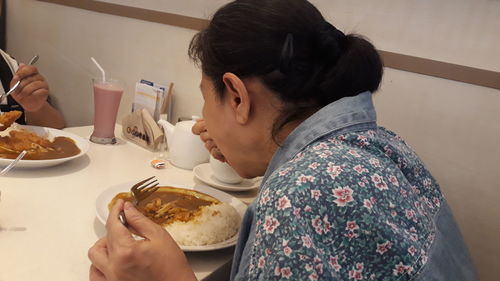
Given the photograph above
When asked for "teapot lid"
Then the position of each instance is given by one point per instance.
(187, 124)
(184, 125)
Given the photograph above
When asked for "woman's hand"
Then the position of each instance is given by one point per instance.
(119, 257)
(200, 129)
(33, 90)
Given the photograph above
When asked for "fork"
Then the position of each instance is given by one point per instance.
(13, 163)
(32, 61)
(140, 191)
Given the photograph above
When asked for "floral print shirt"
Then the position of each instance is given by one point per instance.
(347, 201)
(357, 206)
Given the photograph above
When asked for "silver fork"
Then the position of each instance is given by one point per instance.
(140, 191)
(32, 61)
(13, 163)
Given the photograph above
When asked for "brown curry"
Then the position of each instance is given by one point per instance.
(38, 148)
(169, 204)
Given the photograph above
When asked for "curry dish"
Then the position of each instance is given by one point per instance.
(169, 204)
(38, 148)
(8, 118)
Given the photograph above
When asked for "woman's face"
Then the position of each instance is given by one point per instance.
(247, 146)
(216, 113)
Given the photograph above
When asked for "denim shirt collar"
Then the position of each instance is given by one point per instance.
(337, 116)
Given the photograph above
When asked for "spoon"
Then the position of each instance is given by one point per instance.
(32, 61)
(11, 165)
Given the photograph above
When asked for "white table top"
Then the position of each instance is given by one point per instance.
(54, 211)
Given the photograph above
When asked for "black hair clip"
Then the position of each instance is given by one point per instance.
(287, 52)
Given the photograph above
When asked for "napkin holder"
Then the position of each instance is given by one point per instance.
(140, 128)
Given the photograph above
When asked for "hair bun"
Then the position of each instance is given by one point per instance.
(330, 42)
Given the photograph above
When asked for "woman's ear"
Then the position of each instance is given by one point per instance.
(237, 96)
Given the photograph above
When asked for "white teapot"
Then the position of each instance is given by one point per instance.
(186, 150)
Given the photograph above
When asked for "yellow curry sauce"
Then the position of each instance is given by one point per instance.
(169, 204)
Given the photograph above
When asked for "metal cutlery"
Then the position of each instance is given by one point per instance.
(140, 191)
(31, 62)
(13, 163)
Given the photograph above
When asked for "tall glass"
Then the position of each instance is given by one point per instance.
(107, 96)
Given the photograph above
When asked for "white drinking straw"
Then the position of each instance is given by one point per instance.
(100, 68)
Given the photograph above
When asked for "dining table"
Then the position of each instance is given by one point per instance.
(48, 214)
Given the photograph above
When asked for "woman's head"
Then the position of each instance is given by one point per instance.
(288, 44)
(288, 47)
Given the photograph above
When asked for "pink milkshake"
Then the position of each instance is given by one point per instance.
(107, 96)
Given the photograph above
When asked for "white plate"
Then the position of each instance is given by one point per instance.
(105, 197)
(82, 144)
(204, 173)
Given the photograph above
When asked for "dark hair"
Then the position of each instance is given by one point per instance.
(290, 47)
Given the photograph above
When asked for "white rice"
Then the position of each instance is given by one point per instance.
(216, 223)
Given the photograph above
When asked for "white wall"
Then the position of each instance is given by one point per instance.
(453, 126)
(129, 50)
(464, 32)
(442, 30)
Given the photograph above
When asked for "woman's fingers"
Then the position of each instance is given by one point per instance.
(98, 255)
(205, 136)
(119, 257)
(29, 89)
(140, 223)
(118, 234)
(95, 274)
(24, 71)
(33, 89)
(30, 79)
(199, 127)
(209, 145)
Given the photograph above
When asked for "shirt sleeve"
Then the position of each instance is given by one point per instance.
(11, 62)
(7, 67)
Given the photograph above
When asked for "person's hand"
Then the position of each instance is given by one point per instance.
(33, 91)
(200, 129)
(119, 257)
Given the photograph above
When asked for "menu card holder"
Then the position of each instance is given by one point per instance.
(153, 97)
(140, 128)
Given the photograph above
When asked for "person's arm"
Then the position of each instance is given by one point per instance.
(32, 95)
(119, 257)
(47, 116)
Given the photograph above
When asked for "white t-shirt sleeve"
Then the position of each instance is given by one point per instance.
(13, 65)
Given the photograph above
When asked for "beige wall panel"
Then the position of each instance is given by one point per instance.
(464, 32)
(454, 127)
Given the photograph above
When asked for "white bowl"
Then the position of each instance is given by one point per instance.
(223, 172)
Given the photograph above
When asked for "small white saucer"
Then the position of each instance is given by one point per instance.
(204, 173)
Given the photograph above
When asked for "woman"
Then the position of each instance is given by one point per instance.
(288, 96)
(31, 97)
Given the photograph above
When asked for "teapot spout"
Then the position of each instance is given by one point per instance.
(168, 128)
